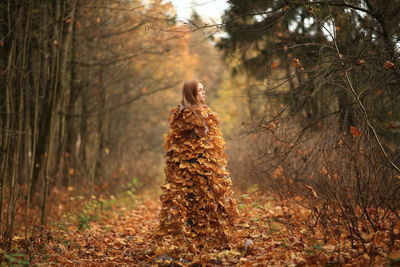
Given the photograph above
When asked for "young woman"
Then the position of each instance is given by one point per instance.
(198, 210)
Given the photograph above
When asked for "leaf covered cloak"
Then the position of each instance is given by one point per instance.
(198, 210)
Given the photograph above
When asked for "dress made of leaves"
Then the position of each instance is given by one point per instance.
(198, 209)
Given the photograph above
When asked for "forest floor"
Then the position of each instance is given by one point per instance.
(269, 232)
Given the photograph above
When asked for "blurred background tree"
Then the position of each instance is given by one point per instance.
(287, 50)
(322, 120)
(86, 91)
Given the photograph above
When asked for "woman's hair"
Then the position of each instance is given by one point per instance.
(189, 98)
(189, 94)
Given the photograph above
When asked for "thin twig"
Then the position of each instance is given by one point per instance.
(353, 92)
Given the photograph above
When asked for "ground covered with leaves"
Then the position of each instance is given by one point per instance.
(269, 232)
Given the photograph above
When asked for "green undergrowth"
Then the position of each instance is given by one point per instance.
(96, 208)
(13, 259)
(93, 210)
(245, 200)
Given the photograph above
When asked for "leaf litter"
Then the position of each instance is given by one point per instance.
(268, 232)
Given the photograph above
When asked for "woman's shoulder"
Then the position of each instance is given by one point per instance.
(175, 109)
(188, 111)
(211, 114)
(180, 110)
(174, 113)
(200, 112)
(180, 113)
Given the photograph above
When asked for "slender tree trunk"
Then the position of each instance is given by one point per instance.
(84, 120)
(7, 150)
(45, 114)
(51, 140)
(71, 135)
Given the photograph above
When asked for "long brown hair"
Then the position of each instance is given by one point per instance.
(189, 94)
(189, 98)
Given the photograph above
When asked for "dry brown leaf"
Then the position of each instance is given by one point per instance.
(388, 65)
(360, 61)
(296, 63)
(355, 132)
(394, 125)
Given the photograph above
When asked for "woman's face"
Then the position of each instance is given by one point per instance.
(201, 94)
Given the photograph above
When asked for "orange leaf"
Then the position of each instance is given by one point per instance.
(394, 125)
(378, 92)
(354, 131)
(71, 171)
(296, 63)
(388, 65)
(269, 126)
(324, 171)
(277, 172)
(360, 61)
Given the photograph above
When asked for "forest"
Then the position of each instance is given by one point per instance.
(308, 97)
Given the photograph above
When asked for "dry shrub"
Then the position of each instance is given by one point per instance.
(344, 178)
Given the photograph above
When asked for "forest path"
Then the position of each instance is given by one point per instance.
(276, 233)
(118, 236)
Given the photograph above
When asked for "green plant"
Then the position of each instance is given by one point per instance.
(15, 259)
(84, 221)
(316, 244)
(393, 261)
(241, 206)
(133, 184)
(256, 218)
